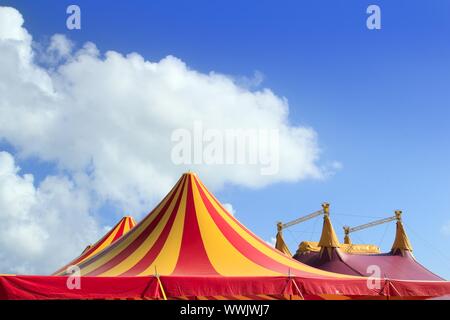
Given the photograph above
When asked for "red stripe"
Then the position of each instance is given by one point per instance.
(134, 245)
(241, 244)
(130, 223)
(192, 259)
(120, 231)
(151, 255)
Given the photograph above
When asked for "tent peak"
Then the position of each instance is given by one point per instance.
(328, 238)
(401, 242)
(125, 224)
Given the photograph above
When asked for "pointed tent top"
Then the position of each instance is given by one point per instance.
(190, 233)
(401, 241)
(122, 227)
(280, 244)
(328, 238)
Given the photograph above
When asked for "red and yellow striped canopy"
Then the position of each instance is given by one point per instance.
(190, 233)
(122, 227)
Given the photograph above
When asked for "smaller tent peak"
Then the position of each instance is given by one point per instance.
(280, 244)
(126, 221)
(401, 242)
(328, 238)
(125, 224)
(190, 173)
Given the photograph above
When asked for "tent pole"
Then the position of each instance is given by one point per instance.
(160, 284)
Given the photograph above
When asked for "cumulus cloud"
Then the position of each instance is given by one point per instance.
(60, 48)
(41, 226)
(106, 120)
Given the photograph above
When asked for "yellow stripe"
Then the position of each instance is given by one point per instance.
(265, 249)
(135, 233)
(130, 223)
(126, 227)
(224, 257)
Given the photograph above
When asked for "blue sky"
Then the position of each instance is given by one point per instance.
(379, 100)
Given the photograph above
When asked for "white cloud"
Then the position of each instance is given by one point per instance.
(106, 122)
(41, 227)
(60, 48)
(229, 208)
(331, 168)
(11, 25)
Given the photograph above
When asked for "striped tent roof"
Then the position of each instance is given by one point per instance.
(191, 233)
(122, 227)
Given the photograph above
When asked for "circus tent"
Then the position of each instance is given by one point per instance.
(190, 247)
(122, 227)
(188, 223)
(361, 260)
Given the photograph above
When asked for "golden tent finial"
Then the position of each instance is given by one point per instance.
(326, 208)
(347, 239)
(279, 226)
